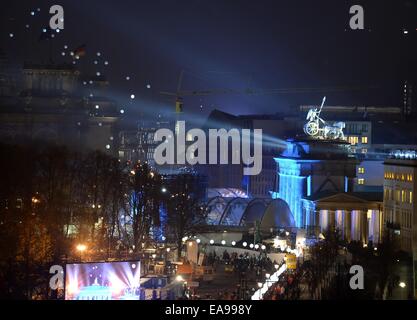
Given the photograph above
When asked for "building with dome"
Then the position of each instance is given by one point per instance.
(55, 103)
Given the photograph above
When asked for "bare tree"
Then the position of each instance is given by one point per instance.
(144, 203)
(185, 211)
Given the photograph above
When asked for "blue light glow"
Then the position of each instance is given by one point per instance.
(291, 185)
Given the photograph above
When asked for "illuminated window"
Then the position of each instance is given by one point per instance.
(364, 150)
(392, 176)
(410, 197)
(403, 196)
(364, 140)
(353, 140)
(361, 170)
(397, 195)
(361, 181)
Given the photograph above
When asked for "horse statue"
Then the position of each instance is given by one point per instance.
(335, 131)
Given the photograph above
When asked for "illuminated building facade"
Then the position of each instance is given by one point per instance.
(356, 215)
(310, 166)
(359, 135)
(316, 178)
(400, 210)
(388, 136)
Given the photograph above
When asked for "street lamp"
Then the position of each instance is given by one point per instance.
(81, 248)
(402, 284)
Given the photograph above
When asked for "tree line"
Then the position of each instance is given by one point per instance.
(52, 198)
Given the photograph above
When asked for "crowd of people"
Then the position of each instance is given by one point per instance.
(251, 269)
(243, 263)
(287, 288)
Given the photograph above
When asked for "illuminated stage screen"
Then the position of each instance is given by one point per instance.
(103, 281)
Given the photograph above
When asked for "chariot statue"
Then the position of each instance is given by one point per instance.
(313, 128)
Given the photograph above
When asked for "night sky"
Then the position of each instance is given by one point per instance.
(226, 44)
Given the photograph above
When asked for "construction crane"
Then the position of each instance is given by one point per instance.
(249, 91)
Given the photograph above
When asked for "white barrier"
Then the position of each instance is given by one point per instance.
(258, 295)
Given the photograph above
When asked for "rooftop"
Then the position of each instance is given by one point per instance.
(366, 196)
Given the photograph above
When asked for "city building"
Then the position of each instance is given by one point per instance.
(409, 99)
(139, 144)
(400, 210)
(316, 178)
(274, 127)
(388, 136)
(374, 133)
(55, 104)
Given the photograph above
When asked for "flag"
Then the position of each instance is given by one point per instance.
(178, 105)
(79, 51)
